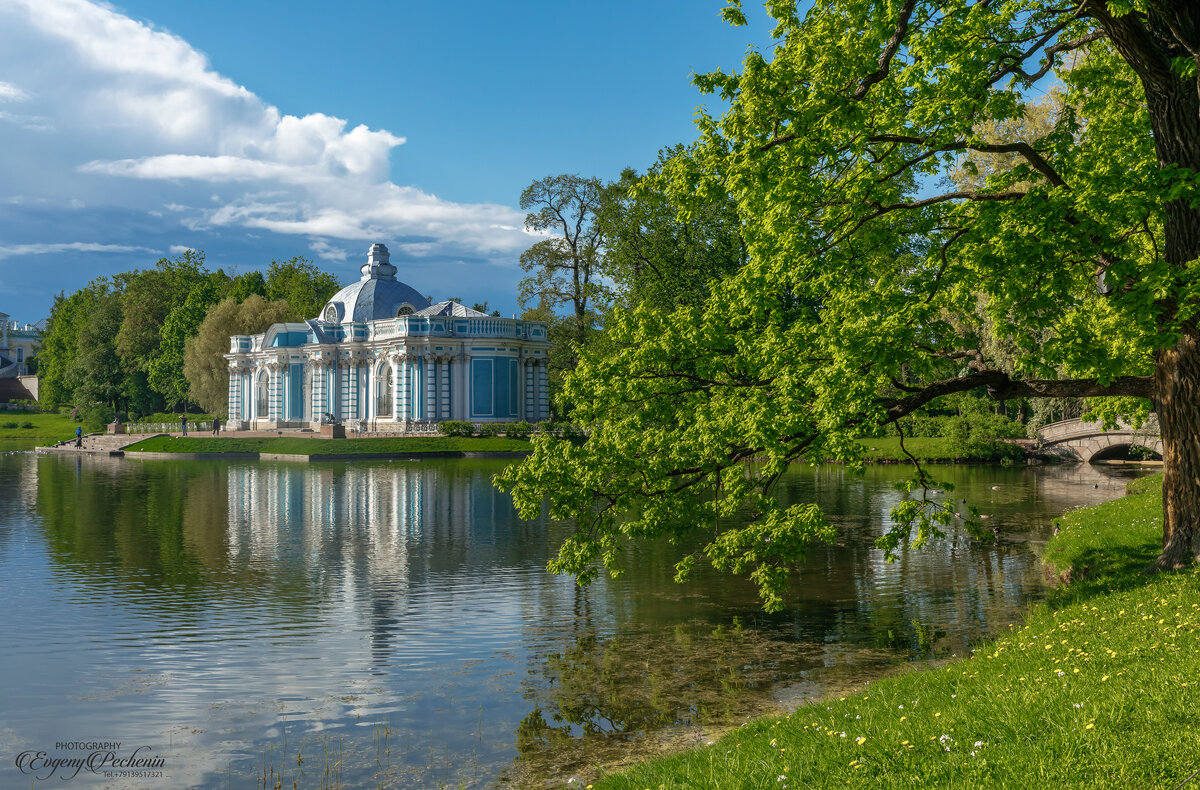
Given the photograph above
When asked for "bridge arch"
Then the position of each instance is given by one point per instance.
(1088, 441)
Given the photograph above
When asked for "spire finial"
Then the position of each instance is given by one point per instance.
(378, 265)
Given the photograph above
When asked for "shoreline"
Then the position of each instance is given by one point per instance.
(1093, 689)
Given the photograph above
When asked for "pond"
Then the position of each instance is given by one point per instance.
(391, 624)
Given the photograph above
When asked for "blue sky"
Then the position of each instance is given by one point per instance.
(258, 130)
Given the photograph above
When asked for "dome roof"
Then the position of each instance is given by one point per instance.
(378, 294)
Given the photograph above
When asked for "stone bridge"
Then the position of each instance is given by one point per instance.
(1088, 441)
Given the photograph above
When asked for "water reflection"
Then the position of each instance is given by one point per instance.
(245, 618)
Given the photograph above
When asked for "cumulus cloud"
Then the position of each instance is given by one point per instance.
(136, 114)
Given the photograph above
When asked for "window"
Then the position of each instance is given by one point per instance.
(331, 315)
(384, 402)
(405, 309)
(263, 390)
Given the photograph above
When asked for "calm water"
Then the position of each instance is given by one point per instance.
(390, 624)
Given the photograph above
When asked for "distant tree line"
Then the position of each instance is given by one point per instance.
(121, 345)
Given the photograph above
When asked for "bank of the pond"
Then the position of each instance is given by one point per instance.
(311, 449)
(1099, 688)
(877, 450)
(936, 449)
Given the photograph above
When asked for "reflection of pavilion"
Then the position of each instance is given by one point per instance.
(372, 512)
(381, 354)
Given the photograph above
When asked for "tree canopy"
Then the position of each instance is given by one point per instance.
(121, 341)
(870, 268)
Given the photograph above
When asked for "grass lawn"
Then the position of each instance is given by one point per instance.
(1099, 688)
(304, 446)
(44, 426)
(934, 448)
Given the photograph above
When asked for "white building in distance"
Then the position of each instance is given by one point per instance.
(380, 357)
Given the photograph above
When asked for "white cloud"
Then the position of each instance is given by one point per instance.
(140, 113)
(11, 250)
(179, 249)
(326, 251)
(10, 92)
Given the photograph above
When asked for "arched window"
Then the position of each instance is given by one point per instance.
(263, 391)
(331, 315)
(383, 403)
(404, 309)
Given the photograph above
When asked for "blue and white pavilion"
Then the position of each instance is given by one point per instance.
(383, 358)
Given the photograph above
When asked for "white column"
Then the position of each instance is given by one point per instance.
(521, 412)
(445, 401)
(235, 389)
(543, 391)
(429, 407)
(463, 401)
(273, 399)
(315, 399)
(527, 391)
(396, 413)
(403, 411)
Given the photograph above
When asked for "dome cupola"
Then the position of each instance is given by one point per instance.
(376, 295)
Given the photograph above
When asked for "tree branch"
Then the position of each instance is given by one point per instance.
(1003, 387)
(889, 52)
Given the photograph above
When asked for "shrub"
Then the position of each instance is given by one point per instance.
(8, 425)
(26, 424)
(491, 429)
(456, 428)
(518, 430)
(95, 416)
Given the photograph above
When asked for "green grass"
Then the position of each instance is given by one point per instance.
(936, 449)
(1100, 688)
(45, 426)
(304, 446)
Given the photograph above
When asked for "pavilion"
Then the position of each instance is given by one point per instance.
(382, 358)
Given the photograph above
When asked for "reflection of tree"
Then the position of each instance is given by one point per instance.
(604, 693)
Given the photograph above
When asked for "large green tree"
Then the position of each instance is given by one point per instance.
(301, 284)
(1082, 253)
(203, 362)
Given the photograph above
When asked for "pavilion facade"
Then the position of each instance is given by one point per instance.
(382, 358)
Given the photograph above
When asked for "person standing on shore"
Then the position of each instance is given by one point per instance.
(216, 425)
(183, 423)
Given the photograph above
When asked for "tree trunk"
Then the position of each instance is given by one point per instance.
(1168, 31)
(1177, 382)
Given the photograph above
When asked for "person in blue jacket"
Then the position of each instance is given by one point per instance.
(183, 422)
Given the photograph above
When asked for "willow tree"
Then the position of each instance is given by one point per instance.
(836, 147)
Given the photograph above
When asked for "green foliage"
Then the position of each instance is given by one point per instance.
(660, 251)
(94, 416)
(518, 430)
(165, 371)
(860, 290)
(138, 364)
(491, 428)
(204, 367)
(299, 283)
(457, 428)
